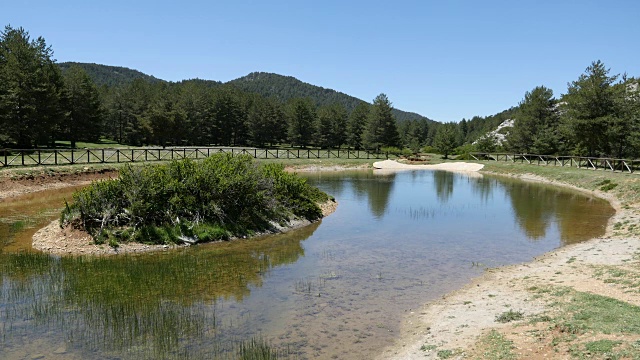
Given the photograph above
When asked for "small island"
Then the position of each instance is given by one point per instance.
(183, 203)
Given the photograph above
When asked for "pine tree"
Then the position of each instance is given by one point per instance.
(302, 119)
(535, 129)
(590, 107)
(82, 104)
(381, 130)
(445, 139)
(266, 122)
(30, 89)
(356, 125)
(331, 126)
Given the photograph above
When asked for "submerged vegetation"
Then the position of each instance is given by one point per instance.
(188, 201)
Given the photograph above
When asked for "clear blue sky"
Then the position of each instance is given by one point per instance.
(443, 59)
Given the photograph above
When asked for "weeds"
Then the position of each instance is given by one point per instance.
(497, 347)
(509, 316)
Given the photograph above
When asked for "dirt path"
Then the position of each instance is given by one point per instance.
(452, 326)
(13, 184)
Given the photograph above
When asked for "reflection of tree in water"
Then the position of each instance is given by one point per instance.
(327, 182)
(375, 187)
(156, 302)
(536, 206)
(379, 191)
(483, 186)
(533, 206)
(581, 218)
(443, 181)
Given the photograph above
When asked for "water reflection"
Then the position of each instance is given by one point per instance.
(154, 302)
(443, 181)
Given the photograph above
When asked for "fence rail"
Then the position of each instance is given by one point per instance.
(593, 163)
(36, 157)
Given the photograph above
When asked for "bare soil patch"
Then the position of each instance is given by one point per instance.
(12, 184)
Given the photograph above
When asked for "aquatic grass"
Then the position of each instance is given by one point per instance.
(149, 306)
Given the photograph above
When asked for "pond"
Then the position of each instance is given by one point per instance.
(336, 289)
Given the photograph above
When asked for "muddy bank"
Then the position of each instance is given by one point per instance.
(15, 184)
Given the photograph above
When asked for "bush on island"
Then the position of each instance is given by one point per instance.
(190, 201)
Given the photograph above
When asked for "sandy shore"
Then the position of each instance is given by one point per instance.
(449, 166)
(459, 319)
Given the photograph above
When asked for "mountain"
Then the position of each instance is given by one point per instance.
(285, 88)
(281, 87)
(109, 75)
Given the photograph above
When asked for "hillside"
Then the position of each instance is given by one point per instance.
(285, 88)
(109, 75)
(281, 87)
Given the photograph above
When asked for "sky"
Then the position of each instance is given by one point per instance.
(446, 59)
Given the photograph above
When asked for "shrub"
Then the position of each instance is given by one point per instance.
(209, 200)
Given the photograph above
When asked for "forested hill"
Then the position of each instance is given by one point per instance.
(286, 88)
(109, 75)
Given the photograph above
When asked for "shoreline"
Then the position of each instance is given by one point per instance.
(456, 322)
(67, 241)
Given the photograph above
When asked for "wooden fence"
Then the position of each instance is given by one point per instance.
(18, 157)
(593, 163)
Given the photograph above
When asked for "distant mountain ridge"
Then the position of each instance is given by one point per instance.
(281, 87)
(285, 88)
(109, 75)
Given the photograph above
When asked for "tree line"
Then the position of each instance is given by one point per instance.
(40, 105)
(598, 116)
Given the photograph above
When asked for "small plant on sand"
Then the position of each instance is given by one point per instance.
(606, 185)
(429, 347)
(509, 316)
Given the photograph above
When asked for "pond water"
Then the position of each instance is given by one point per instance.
(335, 289)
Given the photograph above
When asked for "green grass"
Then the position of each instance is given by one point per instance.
(578, 315)
(496, 347)
(627, 278)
